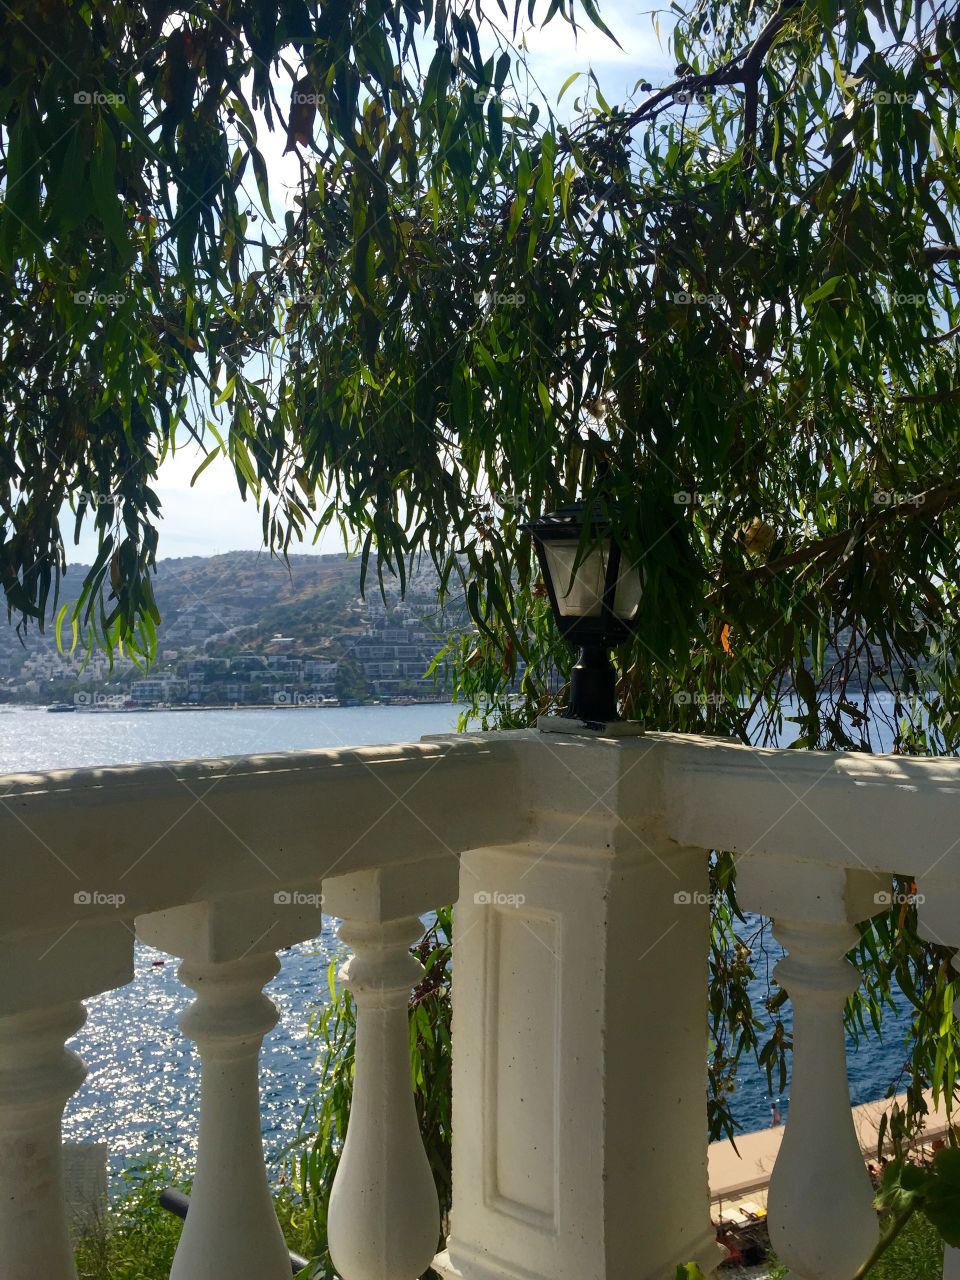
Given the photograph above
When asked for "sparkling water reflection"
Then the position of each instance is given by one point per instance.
(142, 1090)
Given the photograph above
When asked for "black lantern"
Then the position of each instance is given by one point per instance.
(595, 598)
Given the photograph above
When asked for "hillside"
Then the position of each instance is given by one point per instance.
(229, 615)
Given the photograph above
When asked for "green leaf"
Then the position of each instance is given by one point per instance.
(826, 290)
(227, 391)
(20, 209)
(942, 1204)
(903, 1186)
(567, 83)
(103, 176)
(263, 179)
(593, 14)
(211, 456)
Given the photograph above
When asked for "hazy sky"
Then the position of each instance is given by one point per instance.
(211, 517)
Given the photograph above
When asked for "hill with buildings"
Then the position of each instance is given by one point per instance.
(247, 628)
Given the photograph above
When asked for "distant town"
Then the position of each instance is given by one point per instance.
(244, 629)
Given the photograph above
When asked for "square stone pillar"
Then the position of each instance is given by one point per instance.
(580, 1035)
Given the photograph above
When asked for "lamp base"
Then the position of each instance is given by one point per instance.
(590, 728)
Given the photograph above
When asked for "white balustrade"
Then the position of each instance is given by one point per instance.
(820, 1200)
(383, 1220)
(37, 1076)
(231, 1230)
(44, 978)
(579, 985)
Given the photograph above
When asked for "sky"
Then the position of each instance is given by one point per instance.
(211, 517)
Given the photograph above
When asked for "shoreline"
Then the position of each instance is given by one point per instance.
(229, 706)
(739, 1172)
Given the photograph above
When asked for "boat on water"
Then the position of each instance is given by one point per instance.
(61, 706)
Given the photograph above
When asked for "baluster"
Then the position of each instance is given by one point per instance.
(820, 1201)
(37, 1076)
(383, 1221)
(231, 1230)
(44, 978)
(938, 912)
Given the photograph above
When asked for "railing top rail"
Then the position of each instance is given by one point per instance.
(880, 813)
(160, 774)
(163, 834)
(696, 751)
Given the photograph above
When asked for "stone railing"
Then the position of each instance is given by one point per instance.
(579, 867)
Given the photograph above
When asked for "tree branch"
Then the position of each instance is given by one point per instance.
(934, 397)
(743, 68)
(929, 503)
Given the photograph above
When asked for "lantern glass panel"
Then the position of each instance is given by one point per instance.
(626, 597)
(579, 590)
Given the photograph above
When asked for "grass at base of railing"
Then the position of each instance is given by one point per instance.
(137, 1239)
(917, 1254)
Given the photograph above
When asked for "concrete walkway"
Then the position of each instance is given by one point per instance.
(738, 1182)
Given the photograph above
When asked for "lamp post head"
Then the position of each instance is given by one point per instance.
(595, 597)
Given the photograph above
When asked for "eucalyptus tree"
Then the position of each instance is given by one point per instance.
(724, 310)
(136, 225)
